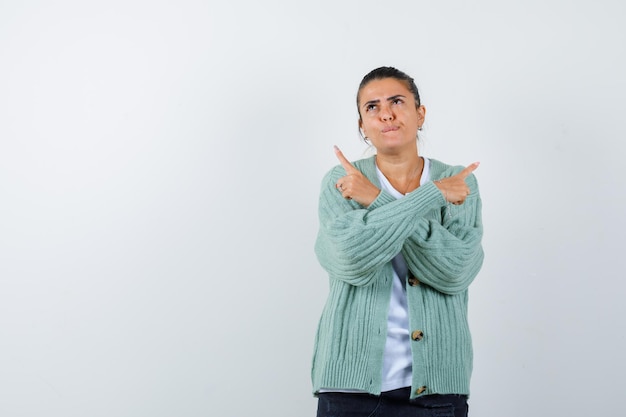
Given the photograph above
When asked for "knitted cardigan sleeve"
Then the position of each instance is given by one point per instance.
(446, 253)
(354, 242)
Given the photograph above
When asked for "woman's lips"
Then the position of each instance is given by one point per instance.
(390, 129)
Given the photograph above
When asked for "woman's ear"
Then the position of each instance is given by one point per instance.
(421, 115)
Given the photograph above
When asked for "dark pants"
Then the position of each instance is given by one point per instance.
(394, 403)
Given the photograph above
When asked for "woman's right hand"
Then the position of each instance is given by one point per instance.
(454, 189)
(355, 186)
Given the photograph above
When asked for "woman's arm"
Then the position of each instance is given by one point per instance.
(447, 256)
(354, 242)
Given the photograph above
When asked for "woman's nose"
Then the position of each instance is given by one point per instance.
(386, 114)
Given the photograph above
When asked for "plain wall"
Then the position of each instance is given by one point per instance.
(160, 164)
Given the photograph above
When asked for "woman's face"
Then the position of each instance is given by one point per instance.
(389, 116)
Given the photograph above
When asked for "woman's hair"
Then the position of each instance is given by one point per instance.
(388, 72)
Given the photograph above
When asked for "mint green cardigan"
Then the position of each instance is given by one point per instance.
(442, 247)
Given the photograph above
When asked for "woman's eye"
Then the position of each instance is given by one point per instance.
(370, 107)
(397, 101)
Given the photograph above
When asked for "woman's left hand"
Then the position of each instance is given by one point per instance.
(355, 186)
(454, 188)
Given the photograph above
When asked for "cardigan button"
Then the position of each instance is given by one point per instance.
(413, 282)
(417, 335)
(421, 390)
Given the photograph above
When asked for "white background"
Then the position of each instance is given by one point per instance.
(160, 164)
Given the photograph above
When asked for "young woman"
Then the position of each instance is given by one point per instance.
(400, 237)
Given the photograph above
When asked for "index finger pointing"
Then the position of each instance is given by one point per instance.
(468, 170)
(344, 162)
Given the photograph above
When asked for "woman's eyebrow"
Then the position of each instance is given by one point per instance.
(392, 98)
(371, 102)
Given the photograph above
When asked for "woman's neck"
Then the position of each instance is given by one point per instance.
(403, 171)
